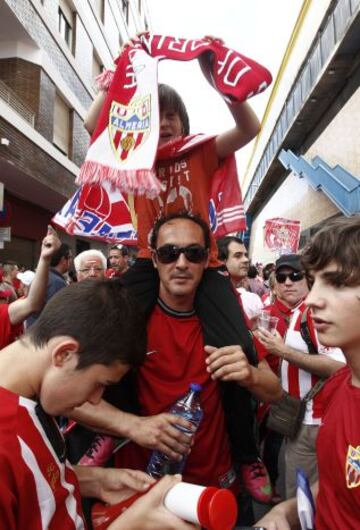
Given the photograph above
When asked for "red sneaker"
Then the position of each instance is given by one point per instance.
(257, 481)
(99, 451)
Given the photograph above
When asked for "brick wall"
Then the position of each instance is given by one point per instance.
(23, 78)
(33, 24)
(34, 88)
(33, 161)
(80, 140)
(83, 49)
(45, 117)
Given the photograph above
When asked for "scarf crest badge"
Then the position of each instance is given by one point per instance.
(129, 126)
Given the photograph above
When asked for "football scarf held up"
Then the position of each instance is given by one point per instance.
(101, 212)
(124, 144)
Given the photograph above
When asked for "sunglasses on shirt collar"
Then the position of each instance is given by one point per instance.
(171, 253)
(293, 276)
(52, 432)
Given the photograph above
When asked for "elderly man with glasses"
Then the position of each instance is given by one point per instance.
(90, 264)
(295, 352)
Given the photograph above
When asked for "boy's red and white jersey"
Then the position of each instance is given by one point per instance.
(297, 381)
(38, 491)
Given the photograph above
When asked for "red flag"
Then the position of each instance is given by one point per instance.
(282, 235)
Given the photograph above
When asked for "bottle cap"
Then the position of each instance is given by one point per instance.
(195, 387)
(217, 509)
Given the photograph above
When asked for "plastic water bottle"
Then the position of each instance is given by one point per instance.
(189, 408)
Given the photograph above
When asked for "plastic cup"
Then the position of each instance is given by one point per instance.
(267, 322)
(273, 322)
(263, 320)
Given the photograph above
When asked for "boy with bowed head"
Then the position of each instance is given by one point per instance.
(68, 357)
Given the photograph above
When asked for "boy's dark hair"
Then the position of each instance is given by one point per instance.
(62, 252)
(180, 215)
(100, 316)
(338, 242)
(169, 99)
(223, 246)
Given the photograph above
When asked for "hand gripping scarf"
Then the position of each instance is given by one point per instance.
(124, 144)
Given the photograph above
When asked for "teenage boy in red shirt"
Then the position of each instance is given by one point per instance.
(332, 262)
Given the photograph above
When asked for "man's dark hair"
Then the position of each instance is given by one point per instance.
(169, 99)
(62, 252)
(252, 272)
(223, 246)
(180, 215)
(338, 242)
(267, 270)
(101, 316)
(123, 249)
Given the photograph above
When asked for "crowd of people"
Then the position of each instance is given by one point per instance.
(95, 350)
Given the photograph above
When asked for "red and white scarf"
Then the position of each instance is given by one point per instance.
(99, 211)
(124, 144)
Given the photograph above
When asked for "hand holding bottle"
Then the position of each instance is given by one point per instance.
(186, 408)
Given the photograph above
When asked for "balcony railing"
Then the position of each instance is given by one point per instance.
(13, 100)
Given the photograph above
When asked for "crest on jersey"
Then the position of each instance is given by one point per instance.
(353, 467)
(129, 126)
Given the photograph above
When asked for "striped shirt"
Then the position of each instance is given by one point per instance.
(38, 492)
(297, 381)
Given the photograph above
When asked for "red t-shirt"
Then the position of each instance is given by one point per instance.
(338, 452)
(8, 332)
(178, 359)
(186, 183)
(37, 490)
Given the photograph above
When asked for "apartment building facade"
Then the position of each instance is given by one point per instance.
(50, 53)
(305, 165)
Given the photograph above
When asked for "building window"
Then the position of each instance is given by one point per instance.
(97, 66)
(66, 21)
(62, 125)
(100, 9)
(125, 8)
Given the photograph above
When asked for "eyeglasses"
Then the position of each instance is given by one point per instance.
(293, 276)
(171, 253)
(89, 269)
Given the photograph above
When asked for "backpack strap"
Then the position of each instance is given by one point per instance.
(314, 390)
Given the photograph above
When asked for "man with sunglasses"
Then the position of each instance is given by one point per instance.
(178, 356)
(300, 360)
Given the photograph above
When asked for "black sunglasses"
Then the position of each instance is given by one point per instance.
(293, 276)
(52, 432)
(171, 253)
